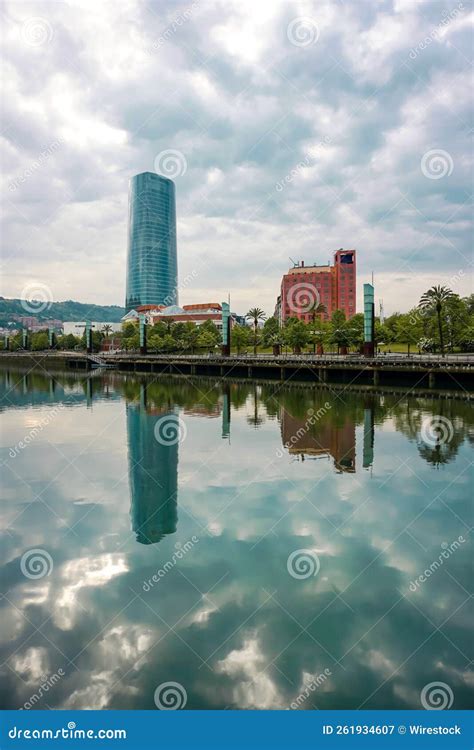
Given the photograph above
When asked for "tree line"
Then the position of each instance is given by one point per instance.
(441, 321)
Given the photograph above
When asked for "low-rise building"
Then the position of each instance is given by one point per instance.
(197, 314)
(78, 327)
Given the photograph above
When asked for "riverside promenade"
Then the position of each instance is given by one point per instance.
(452, 372)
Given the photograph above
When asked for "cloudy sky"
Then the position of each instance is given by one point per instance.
(295, 128)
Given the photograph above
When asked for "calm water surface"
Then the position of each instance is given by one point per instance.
(260, 546)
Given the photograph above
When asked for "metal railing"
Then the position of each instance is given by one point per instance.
(380, 360)
(95, 358)
(395, 358)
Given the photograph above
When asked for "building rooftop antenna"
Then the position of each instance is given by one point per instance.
(295, 263)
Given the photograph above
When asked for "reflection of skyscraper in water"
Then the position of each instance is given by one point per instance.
(226, 411)
(368, 452)
(322, 438)
(153, 473)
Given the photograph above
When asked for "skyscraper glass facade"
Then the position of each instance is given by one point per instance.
(153, 472)
(152, 265)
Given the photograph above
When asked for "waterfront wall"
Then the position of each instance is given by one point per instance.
(429, 374)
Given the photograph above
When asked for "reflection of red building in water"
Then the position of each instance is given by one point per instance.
(321, 439)
(203, 410)
(332, 286)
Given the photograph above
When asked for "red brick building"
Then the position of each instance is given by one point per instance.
(333, 286)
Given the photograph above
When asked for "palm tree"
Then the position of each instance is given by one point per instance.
(434, 299)
(256, 419)
(106, 329)
(255, 314)
(316, 309)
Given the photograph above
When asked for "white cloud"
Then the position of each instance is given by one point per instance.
(117, 84)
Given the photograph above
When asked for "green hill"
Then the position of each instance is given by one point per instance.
(68, 310)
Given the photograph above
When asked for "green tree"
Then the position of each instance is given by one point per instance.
(318, 333)
(296, 335)
(239, 337)
(131, 342)
(106, 330)
(169, 343)
(457, 319)
(129, 329)
(382, 334)
(211, 327)
(469, 302)
(391, 325)
(255, 314)
(316, 310)
(160, 328)
(271, 328)
(16, 341)
(97, 337)
(355, 330)
(206, 340)
(408, 329)
(466, 338)
(436, 299)
(39, 341)
(68, 342)
(211, 334)
(339, 330)
(178, 331)
(155, 342)
(191, 336)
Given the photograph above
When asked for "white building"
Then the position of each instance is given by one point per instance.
(78, 327)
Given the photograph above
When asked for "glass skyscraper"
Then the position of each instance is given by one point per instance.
(152, 265)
